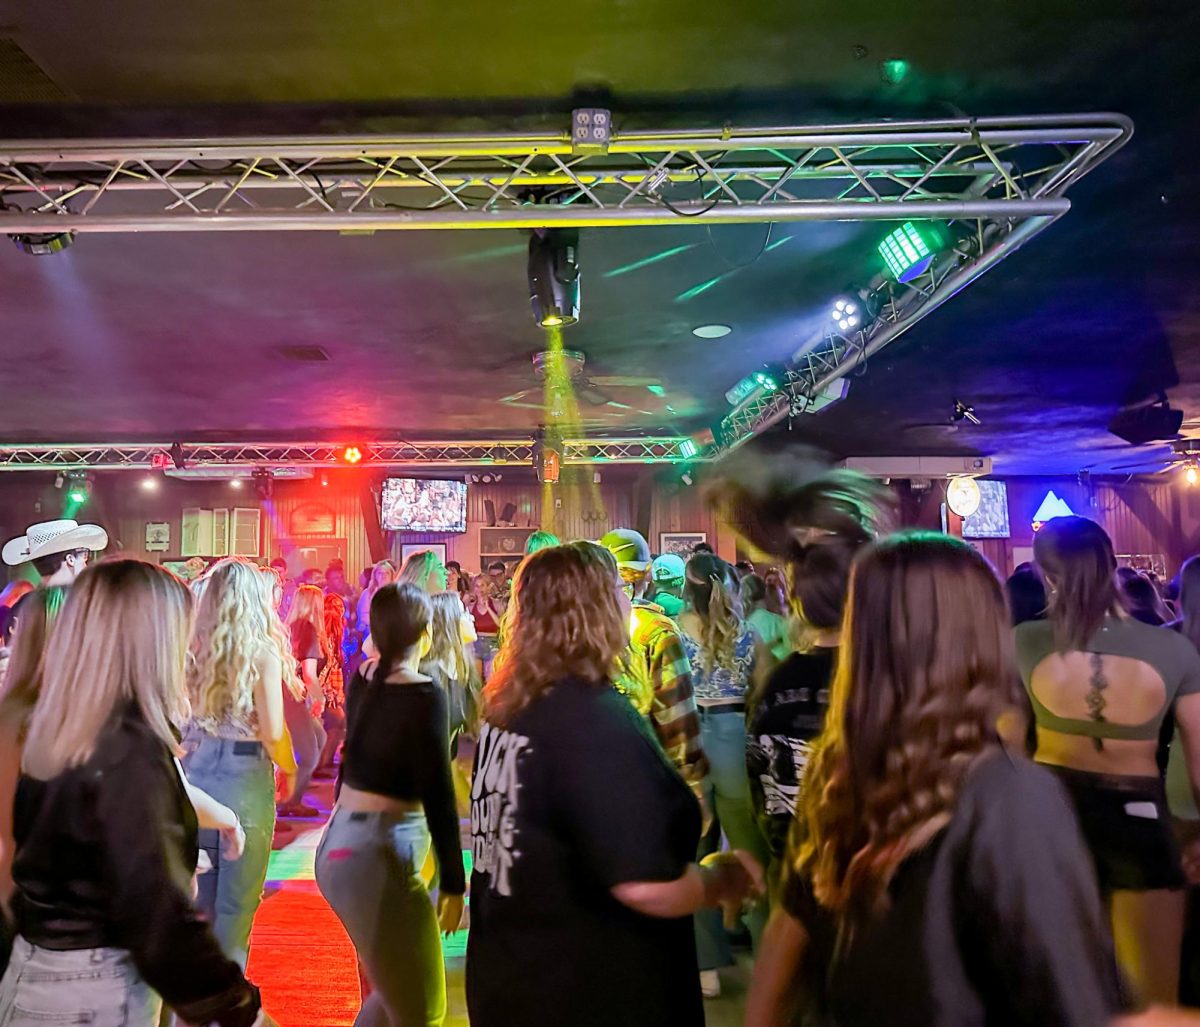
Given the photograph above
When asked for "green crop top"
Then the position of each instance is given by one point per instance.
(1171, 655)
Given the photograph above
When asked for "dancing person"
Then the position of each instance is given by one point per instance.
(383, 573)
(1026, 594)
(937, 877)
(457, 580)
(333, 684)
(425, 570)
(306, 627)
(584, 836)
(450, 661)
(771, 628)
(1101, 685)
(336, 583)
(540, 540)
(656, 674)
(240, 671)
(106, 839)
(667, 576)
(722, 650)
(396, 795)
(487, 611)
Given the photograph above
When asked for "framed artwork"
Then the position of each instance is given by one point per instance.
(158, 536)
(680, 543)
(408, 548)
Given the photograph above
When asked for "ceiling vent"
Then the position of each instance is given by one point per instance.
(21, 80)
(304, 354)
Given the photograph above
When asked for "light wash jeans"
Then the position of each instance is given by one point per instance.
(727, 789)
(369, 870)
(240, 775)
(98, 987)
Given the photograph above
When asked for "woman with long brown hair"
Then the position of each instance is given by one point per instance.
(584, 835)
(1101, 685)
(306, 626)
(937, 877)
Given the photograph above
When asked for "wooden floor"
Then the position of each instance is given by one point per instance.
(302, 960)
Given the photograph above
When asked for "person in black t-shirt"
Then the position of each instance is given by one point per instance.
(583, 833)
(935, 876)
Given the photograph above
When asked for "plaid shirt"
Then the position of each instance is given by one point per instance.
(657, 677)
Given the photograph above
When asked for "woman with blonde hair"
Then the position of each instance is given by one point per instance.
(240, 671)
(451, 660)
(584, 835)
(383, 573)
(306, 627)
(425, 570)
(722, 649)
(106, 837)
(395, 801)
(936, 876)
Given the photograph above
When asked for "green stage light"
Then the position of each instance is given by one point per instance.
(909, 250)
(688, 449)
(750, 385)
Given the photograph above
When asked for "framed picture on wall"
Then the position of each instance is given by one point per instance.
(681, 543)
(408, 548)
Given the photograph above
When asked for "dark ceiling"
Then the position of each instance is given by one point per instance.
(182, 335)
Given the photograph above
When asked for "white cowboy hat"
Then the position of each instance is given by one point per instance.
(54, 537)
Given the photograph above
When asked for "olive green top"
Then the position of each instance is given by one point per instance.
(1171, 655)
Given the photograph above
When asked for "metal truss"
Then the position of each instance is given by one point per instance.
(986, 168)
(270, 455)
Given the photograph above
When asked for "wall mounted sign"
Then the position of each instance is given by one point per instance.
(158, 536)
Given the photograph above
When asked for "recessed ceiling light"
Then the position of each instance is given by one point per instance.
(711, 331)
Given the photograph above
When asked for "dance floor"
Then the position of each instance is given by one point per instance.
(302, 960)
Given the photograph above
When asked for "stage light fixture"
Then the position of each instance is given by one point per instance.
(845, 314)
(160, 461)
(324, 480)
(553, 272)
(264, 483)
(352, 455)
(79, 489)
(765, 380)
(909, 250)
(43, 244)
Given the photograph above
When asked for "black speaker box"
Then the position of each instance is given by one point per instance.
(1146, 424)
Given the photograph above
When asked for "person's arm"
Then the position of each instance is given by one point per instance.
(137, 801)
(725, 879)
(1187, 722)
(776, 969)
(441, 811)
(215, 816)
(673, 710)
(268, 705)
(10, 771)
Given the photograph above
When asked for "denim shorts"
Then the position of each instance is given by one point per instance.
(97, 987)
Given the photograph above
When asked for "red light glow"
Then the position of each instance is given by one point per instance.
(352, 454)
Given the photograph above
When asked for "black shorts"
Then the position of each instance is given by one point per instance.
(1127, 827)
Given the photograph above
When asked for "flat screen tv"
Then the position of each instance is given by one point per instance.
(991, 519)
(421, 504)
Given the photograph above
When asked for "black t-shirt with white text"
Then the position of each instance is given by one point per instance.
(572, 798)
(786, 718)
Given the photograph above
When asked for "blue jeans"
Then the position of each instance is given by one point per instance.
(369, 870)
(100, 987)
(240, 775)
(727, 790)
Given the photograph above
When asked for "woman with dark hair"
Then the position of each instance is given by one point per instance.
(1142, 601)
(1101, 685)
(583, 832)
(936, 878)
(722, 651)
(1026, 594)
(396, 799)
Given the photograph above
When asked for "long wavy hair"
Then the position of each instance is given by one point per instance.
(711, 591)
(122, 638)
(34, 614)
(308, 608)
(1189, 599)
(1076, 557)
(236, 623)
(925, 674)
(446, 646)
(565, 621)
(425, 570)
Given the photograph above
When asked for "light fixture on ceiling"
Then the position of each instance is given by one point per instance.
(149, 483)
(553, 271)
(43, 244)
(962, 412)
(1191, 473)
(235, 483)
(713, 331)
(79, 488)
(845, 314)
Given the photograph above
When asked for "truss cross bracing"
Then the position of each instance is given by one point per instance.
(271, 455)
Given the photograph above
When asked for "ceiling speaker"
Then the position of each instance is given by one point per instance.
(1157, 423)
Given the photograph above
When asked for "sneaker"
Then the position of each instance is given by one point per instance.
(710, 984)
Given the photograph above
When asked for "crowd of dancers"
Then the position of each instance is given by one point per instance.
(836, 757)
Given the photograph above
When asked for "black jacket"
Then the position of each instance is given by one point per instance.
(105, 857)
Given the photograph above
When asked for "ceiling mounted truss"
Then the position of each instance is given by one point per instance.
(960, 168)
(431, 454)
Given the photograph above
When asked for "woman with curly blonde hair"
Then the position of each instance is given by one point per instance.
(239, 672)
(936, 876)
(584, 835)
(723, 650)
(306, 629)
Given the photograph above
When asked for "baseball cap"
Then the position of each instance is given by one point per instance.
(669, 567)
(628, 547)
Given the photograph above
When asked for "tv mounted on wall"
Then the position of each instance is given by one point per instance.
(991, 519)
(422, 504)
